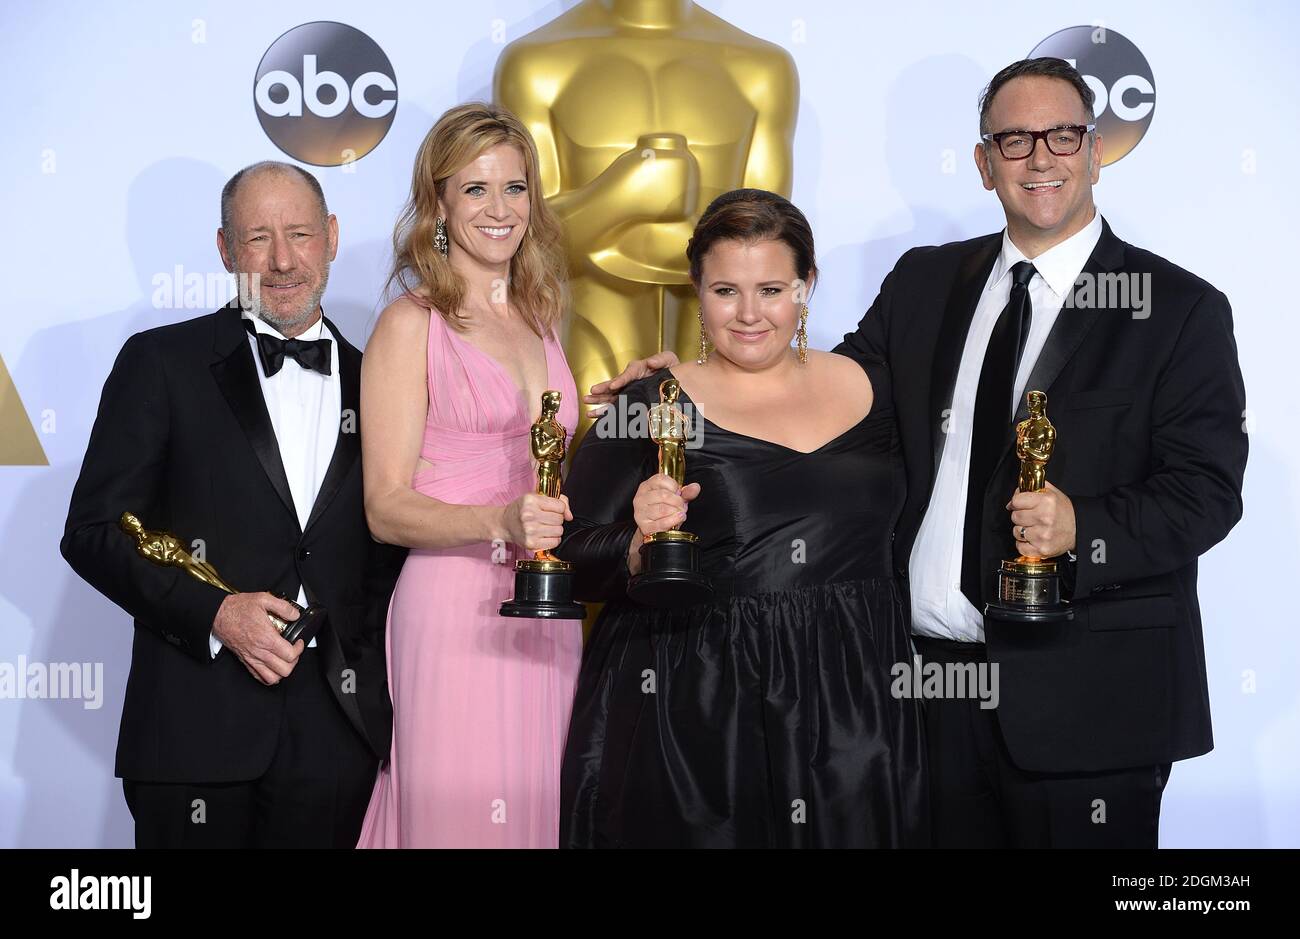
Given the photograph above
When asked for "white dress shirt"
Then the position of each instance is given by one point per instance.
(939, 608)
(305, 409)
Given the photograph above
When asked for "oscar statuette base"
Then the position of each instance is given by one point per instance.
(543, 590)
(670, 572)
(1029, 591)
(305, 627)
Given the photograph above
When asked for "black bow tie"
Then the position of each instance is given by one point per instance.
(313, 354)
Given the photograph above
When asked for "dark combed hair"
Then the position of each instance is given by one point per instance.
(1048, 67)
(750, 215)
(269, 166)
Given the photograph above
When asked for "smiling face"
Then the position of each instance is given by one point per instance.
(486, 208)
(277, 234)
(1047, 198)
(749, 301)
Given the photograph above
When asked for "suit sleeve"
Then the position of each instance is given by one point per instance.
(1192, 498)
(367, 655)
(125, 470)
(382, 569)
(606, 472)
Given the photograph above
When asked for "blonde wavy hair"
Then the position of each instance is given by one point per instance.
(537, 286)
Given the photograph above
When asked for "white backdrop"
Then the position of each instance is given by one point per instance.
(123, 121)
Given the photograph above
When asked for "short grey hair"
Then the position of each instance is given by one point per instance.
(231, 187)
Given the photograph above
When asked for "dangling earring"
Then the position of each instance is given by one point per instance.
(704, 342)
(440, 236)
(801, 335)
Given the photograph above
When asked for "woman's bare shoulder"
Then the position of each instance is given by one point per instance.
(401, 322)
(687, 369)
(405, 312)
(840, 371)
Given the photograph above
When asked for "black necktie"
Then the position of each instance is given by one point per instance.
(991, 422)
(313, 354)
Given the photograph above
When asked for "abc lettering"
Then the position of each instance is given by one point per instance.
(1115, 96)
(309, 91)
(1131, 83)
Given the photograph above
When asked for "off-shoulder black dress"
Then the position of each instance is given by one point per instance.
(763, 718)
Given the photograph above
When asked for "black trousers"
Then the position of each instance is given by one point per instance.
(313, 795)
(981, 799)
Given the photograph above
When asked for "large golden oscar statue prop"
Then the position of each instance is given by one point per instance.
(644, 111)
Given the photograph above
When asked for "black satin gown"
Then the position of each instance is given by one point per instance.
(763, 718)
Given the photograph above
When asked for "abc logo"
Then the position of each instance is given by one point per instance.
(325, 93)
(1119, 77)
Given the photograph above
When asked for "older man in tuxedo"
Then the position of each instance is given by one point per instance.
(1146, 394)
(237, 431)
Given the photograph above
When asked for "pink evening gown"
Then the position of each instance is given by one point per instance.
(481, 702)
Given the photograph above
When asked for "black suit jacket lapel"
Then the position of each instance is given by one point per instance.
(235, 372)
(957, 315)
(1073, 322)
(348, 447)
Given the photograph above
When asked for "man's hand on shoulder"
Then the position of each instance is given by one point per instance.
(603, 393)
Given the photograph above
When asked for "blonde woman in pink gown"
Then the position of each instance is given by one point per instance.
(452, 380)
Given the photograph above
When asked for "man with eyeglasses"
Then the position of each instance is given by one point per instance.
(1139, 364)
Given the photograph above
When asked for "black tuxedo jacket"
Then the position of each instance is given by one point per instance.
(1150, 448)
(184, 440)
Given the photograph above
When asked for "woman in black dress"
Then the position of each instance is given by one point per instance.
(764, 717)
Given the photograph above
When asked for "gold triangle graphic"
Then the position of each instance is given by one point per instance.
(19, 445)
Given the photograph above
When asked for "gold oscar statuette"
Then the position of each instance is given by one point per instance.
(166, 550)
(670, 560)
(544, 583)
(1029, 588)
